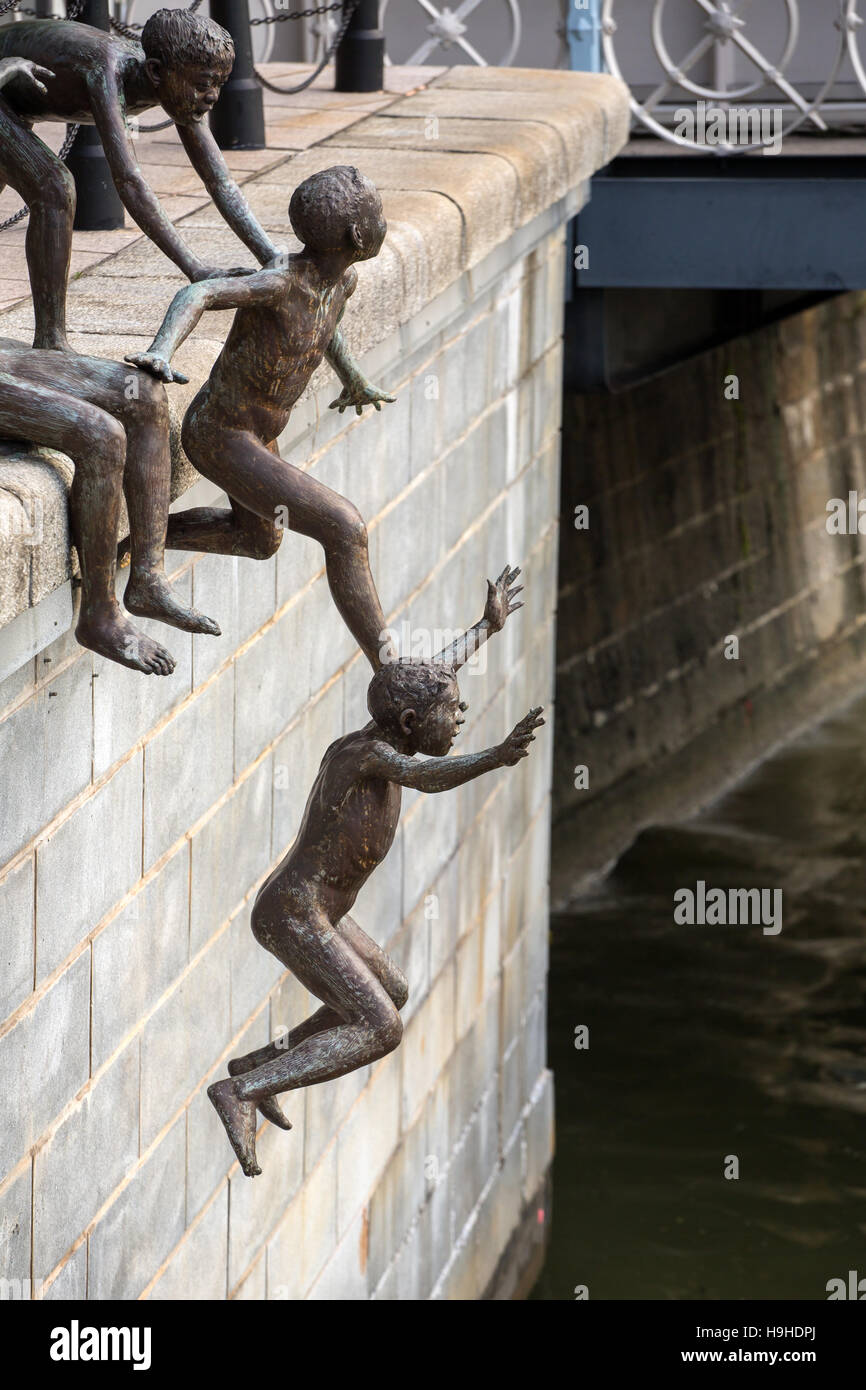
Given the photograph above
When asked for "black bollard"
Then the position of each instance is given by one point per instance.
(238, 119)
(98, 207)
(361, 55)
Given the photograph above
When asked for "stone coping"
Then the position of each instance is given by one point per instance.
(465, 159)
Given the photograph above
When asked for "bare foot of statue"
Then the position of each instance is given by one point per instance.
(269, 1106)
(107, 632)
(239, 1121)
(151, 596)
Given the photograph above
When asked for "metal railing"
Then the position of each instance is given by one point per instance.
(739, 66)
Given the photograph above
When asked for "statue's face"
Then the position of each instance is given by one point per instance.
(187, 94)
(373, 235)
(437, 730)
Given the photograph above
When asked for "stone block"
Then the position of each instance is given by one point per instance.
(240, 594)
(230, 853)
(126, 706)
(183, 1038)
(16, 936)
(70, 1282)
(209, 1155)
(152, 928)
(397, 1201)
(38, 753)
(179, 784)
(85, 1159)
(366, 1140)
(273, 681)
(15, 1236)
(256, 1204)
(98, 848)
(48, 1075)
(344, 1278)
(143, 1225)
(197, 1269)
(427, 1045)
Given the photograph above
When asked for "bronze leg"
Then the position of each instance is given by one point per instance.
(368, 1025)
(140, 419)
(262, 483)
(382, 966)
(47, 187)
(97, 445)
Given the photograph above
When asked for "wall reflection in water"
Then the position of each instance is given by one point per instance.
(709, 1041)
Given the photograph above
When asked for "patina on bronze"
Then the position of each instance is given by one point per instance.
(301, 914)
(286, 323)
(113, 423)
(90, 78)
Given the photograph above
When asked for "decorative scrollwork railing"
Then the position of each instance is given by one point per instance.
(445, 33)
(726, 25)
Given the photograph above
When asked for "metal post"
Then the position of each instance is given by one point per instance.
(583, 32)
(238, 119)
(98, 207)
(361, 55)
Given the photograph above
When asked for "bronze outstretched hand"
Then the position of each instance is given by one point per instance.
(359, 394)
(30, 73)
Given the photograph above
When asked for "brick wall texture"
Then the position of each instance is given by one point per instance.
(139, 817)
(707, 519)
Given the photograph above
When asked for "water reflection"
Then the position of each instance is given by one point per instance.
(708, 1041)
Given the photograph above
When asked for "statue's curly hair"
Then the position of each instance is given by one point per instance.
(328, 203)
(406, 684)
(178, 38)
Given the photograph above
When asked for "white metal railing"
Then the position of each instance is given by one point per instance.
(462, 31)
(738, 57)
(727, 35)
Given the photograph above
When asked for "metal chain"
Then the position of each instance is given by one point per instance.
(71, 130)
(297, 14)
(349, 8)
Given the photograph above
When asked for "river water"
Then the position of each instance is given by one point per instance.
(708, 1043)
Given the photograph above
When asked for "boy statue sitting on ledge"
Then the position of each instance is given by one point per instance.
(114, 425)
(286, 323)
(301, 914)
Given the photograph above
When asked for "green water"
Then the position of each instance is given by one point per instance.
(708, 1041)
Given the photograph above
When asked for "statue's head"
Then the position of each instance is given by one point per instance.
(339, 210)
(188, 58)
(417, 704)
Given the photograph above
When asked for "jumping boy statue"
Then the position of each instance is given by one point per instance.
(301, 914)
(287, 322)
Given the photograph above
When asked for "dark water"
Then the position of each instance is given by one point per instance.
(707, 1041)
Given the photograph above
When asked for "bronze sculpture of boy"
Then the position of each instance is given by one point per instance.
(91, 78)
(301, 913)
(113, 423)
(286, 322)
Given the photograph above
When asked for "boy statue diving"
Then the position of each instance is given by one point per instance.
(301, 913)
(287, 322)
(91, 78)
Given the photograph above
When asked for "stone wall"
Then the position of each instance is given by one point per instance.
(707, 520)
(139, 816)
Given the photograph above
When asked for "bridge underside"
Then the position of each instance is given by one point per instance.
(677, 252)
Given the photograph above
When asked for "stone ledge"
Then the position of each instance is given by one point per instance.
(460, 175)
